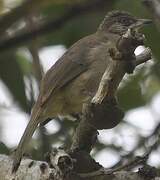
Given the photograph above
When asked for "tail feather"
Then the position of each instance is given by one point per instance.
(27, 135)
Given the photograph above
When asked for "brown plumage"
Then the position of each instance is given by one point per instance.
(75, 77)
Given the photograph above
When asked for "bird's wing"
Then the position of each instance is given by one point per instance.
(68, 67)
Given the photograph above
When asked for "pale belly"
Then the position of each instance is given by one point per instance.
(70, 99)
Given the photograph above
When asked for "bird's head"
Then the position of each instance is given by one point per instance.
(118, 22)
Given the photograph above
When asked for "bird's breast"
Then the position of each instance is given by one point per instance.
(70, 98)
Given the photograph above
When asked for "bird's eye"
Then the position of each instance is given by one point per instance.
(126, 21)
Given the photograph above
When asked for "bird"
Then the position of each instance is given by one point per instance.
(74, 79)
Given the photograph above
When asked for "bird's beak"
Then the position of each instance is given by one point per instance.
(144, 21)
(140, 23)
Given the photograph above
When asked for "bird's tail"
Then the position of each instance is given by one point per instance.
(27, 135)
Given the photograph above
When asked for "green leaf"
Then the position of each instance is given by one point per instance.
(3, 148)
(152, 86)
(24, 63)
(12, 76)
(130, 95)
(152, 37)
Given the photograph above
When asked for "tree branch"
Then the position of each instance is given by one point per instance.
(40, 170)
(103, 111)
(144, 56)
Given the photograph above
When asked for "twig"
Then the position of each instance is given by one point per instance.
(38, 71)
(136, 161)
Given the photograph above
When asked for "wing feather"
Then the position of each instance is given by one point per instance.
(68, 67)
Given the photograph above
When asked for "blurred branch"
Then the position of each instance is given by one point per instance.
(156, 135)
(23, 10)
(54, 24)
(144, 141)
(154, 6)
(14, 15)
(38, 71)
(143, 144)
(132, 163)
